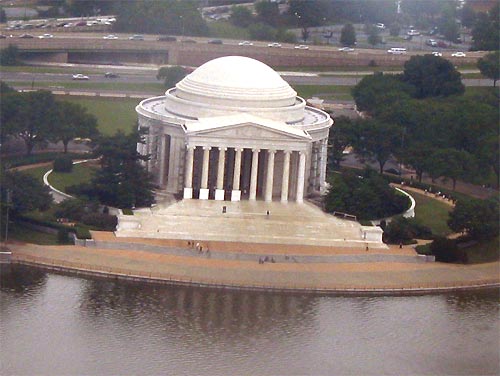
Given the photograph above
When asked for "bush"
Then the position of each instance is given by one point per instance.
(23, 160)
(63, 164)
(372, 63)
(100, 221)
(63, 236)
(404, 230)
(446, 250)
(71, 208)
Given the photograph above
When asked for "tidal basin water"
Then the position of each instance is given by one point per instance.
(61, 325)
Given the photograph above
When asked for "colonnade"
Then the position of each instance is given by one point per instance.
(289, 175)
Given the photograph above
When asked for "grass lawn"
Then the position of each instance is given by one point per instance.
(484, 252)
(25, 234)
(324, 91)
(432, 213)
(37, 172)
(113, 114)
(152, 87)
(82, 173)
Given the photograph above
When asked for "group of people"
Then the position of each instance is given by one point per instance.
(199, 247)
(263, 260)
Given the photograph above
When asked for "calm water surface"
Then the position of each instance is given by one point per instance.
(60, 325)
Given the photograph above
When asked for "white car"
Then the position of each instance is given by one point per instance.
(245, 43)
(380, 26)
(80, 77)
(301, 47)
(437, 53)
(458, 54)
(346, 49)
(413, 32)
(110, 36)
(275, 45)
(45, 36)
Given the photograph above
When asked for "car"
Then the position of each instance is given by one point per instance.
(397, 51)
(111, 75)
(110, 36)
(458, 54)
(215, 41)
(3, 36)
(413, 32)
(81, 23)
(166, 38)
(380, 26)
(431, 42)
(393, 171)
(26, 36)
(245, 43)
(274, 45)
(346, 49)
(437, 53)
(80, 77)
(301, 47)
(45, 36)
(136, 37)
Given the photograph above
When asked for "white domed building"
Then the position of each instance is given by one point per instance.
(235, 130)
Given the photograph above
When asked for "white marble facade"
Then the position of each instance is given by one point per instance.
(235, 130)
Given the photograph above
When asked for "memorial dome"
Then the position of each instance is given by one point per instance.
(247, 81)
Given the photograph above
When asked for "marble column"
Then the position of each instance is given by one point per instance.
(253, 176)
(188, 179)
(162, 160)
(219, 192)
(300, 177)
(204, 174)
(324, 159)
(270, 175)
(236, 193)
(286, 176)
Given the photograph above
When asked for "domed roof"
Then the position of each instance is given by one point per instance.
(247, 81)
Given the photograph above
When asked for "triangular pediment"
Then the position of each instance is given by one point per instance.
(247, 129)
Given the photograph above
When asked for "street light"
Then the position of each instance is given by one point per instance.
(8, 199)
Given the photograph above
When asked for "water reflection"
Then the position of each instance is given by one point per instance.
(67, 325)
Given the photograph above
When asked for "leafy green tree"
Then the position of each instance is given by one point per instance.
(11, 103)
(268, 12)
(122, 180)
(9, 55)
(348, 35)
(171, 75)
(3, 16)
(432, 76)
(306, 14)
(339, 139)
(455, 164)
(478, 218)
(446, 250)
(74, 121)
(261, 31)
(373, 35)
(394, 29)
(375, 140)
(467, 15)
(489, 66)
(416, 155)
(27, 193)
(241, 16)
(486, 31)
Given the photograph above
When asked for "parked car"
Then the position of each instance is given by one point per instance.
(245, 43)
(437, 53)
(3, 36)
(458, 54)
(110, 36)
(111, 75)
(136, 37)
(80, 77)
(45, 36)
(413, 32)
(346, 49)
(274, 45)
(215, 41)
(431, 42)
(26, 36)
(166, 38)
(380, 26)
(301, 47)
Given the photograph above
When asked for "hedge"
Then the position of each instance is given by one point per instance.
(22, 160)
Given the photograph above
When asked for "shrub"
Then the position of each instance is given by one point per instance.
(104, 222)
(446, 250)
(63, 236)
(63, 164)
(71, 208)
(404, 230)
(372, 63)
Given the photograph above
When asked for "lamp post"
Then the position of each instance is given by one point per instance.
(7, 199)
(182, 25)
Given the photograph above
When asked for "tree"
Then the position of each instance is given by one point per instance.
(241, 16)
(348, 35)
(268, 12)
(3, 16)
(261, 31)
(489, 66)
(122, 180)
(74, 121)
(416, 155)
(8, 55)
(171, 75)
(339, 139)
(306, 14)
(394, 29)
(455, 164)
(486, 31)
(468, 15)
(373, 35)
(375, 140)
(31, 117)
(478, 218)
(27, 193)
(432, 76)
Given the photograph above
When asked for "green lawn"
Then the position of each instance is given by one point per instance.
(324, 91)
(37, 172)
(432, 213)
(152, 87)
(112, 114)
(484, 252)
(25, 234)
(82, 173)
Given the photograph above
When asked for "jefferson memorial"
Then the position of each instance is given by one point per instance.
(234, 130)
